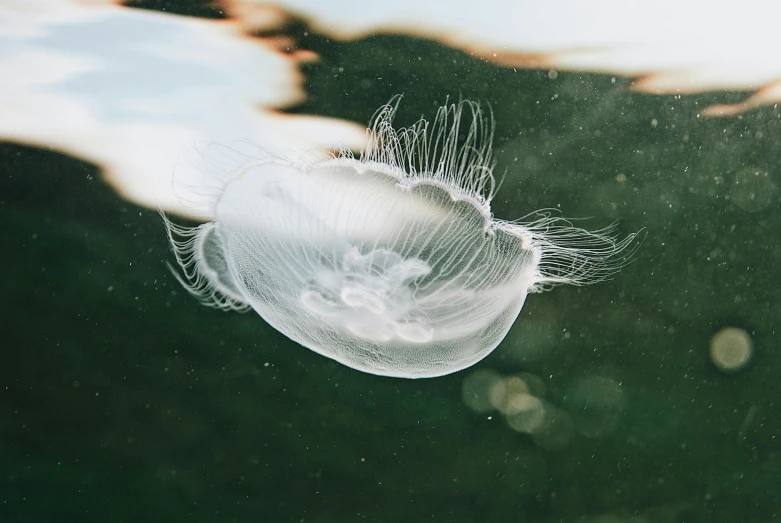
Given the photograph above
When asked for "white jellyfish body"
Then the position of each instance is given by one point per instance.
(390, 263)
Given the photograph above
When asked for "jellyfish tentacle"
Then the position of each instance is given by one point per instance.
(196, 276)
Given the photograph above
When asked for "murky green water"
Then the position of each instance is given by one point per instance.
(123, 399)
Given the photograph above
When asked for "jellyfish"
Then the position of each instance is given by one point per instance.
(391, 262)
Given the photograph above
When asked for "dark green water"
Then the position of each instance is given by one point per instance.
(122, 399)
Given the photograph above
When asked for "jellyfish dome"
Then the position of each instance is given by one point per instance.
(390, 263)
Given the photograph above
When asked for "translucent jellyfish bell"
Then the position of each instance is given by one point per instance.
(390, 263)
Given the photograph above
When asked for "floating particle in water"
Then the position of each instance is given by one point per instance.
(530, 419)
(476, 390)
(555, 430)
(731, 349)
(752, 189)
(391, 263)
(595, 404)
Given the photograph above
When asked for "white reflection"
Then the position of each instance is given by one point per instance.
(131, 90)
(668, 46)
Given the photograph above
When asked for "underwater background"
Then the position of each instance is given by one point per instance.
(123, 399)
